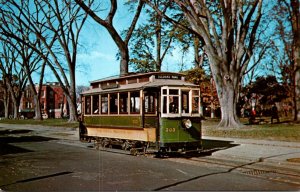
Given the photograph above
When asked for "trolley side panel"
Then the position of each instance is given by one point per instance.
(148, 135)
(114, 121)
(172, 131)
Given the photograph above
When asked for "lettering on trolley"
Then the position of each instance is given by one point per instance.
(174, 77)
(171, 130)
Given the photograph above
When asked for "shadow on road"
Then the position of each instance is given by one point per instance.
(38, 178)
(7, 131)
(11, 136)
(209, 146)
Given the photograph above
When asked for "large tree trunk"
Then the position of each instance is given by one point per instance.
(295, 5)
(36, 100)
(37, 108)
(16, 110)
(297, 84)
(71, 97)
(227, 99)
(6, 107)
(73, 109)
(124, 60)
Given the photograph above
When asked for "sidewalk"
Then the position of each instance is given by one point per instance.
(270, 155)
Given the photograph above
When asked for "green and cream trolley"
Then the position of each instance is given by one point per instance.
(157, 111)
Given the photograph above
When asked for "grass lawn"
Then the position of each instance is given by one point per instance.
(284, 131)
(46, 122)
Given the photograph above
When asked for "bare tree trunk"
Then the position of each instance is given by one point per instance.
(37, 108)
(73, 109)
(124, 60)
(295, 5)
(108, 24)
(71, 97)
(16, 110)
(227, 99)
(158, 43)
(38, 111)
(36, 99)
(297, 84)
(6, 107)
(198, 58)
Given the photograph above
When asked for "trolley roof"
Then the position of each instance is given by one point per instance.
(137, 82)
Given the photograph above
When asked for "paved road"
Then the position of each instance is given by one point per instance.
(39, 159)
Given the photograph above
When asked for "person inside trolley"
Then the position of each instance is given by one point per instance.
(173, 107)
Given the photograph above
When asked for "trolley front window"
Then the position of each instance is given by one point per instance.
(173, 101)
(181, 101)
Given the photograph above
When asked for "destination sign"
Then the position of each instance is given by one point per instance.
(112, 86)
(174, 77)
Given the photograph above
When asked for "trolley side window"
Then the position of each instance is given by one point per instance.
(88, 105)
(113, 103)
(150, 102)
(104, 104)
(123, 104)
(95, 104)
(135, 102)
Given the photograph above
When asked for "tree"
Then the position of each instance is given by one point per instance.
(269, 88)
(295, 20)
(109, 26)
(5, 95)
(30, 62)
(14, 77)
(152, 40)
(228, 30)
(287, 17)
(196, 76)
(57, 25)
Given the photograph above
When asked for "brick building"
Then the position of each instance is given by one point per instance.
(53, 101)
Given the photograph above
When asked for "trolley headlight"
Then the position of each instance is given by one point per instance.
(187, 123)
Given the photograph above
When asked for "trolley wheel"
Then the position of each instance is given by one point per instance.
(134, 151)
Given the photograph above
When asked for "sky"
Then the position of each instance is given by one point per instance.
(96, 58)
(97, 52)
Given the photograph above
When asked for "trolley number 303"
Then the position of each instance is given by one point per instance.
(170, 130)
